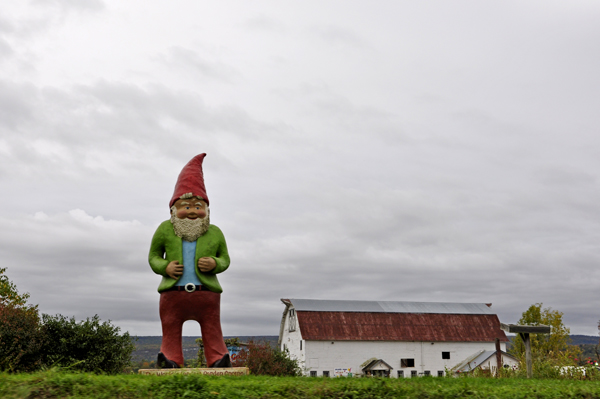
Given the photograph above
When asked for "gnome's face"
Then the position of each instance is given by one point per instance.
(190, 218)
(190, 208)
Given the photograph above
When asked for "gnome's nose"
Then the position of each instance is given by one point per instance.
(194, 215)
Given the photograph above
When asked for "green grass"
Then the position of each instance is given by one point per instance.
(58, 384)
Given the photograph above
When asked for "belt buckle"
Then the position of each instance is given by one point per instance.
(190, 287)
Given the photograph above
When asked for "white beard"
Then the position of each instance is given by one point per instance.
(190, 229)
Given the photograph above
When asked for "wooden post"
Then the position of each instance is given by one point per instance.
(527, 341)
(498, 358)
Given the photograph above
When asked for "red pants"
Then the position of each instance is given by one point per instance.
(177, 307)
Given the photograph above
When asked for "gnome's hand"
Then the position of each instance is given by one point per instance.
(174, 269)
(206, 264)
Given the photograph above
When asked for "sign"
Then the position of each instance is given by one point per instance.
(343, 372)
(205, 371)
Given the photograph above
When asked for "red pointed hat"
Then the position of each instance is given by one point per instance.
(191, 180)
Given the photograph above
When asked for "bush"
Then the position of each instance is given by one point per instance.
(20, 333)
(21, 338)
(87, 346)
(262, 359)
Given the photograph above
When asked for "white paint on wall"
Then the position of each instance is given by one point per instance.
(427, 355)
(292, 340)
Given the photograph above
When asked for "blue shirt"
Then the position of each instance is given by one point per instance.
(189, 266)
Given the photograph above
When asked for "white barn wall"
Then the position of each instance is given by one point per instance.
(327, 356)
(291, 341)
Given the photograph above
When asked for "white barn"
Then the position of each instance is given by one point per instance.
(396, 339)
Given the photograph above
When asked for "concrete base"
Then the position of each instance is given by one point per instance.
(205, 371)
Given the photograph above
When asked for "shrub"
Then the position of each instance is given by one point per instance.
(20, 333)
(20, 338)
(262, 359)
(87, 346)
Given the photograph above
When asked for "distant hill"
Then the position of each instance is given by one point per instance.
(147, 347)
(577, 340)
(584, 339)
(587, 345)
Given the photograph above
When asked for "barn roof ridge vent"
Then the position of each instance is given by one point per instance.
(329, 305)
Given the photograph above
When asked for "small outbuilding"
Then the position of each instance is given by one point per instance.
(376, 368)
(395, 339)
(487, 361)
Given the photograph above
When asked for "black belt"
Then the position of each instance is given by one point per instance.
(188, 288)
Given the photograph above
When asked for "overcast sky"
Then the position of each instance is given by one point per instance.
(441, 151)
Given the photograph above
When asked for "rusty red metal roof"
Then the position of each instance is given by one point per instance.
(372, 326)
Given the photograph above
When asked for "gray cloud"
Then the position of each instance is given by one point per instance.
(337, 35)
(72, 5)
(6, 49)
(178, 58)
(102, 127)
(265, 23)
(17, 104)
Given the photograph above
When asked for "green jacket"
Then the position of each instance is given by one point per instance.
(167, 247)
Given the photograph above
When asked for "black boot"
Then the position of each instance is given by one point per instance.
(163, 363)
(223, 362)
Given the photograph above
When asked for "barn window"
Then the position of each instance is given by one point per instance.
(292, 320)
(427, 372)
(407, 362)
(313, 373)
(400, 373)
(326, 373)
(413, 373)
(440, 373)
(445, 355)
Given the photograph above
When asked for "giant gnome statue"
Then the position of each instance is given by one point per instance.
(188, 252)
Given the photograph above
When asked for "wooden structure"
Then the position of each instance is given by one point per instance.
(524, 332)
